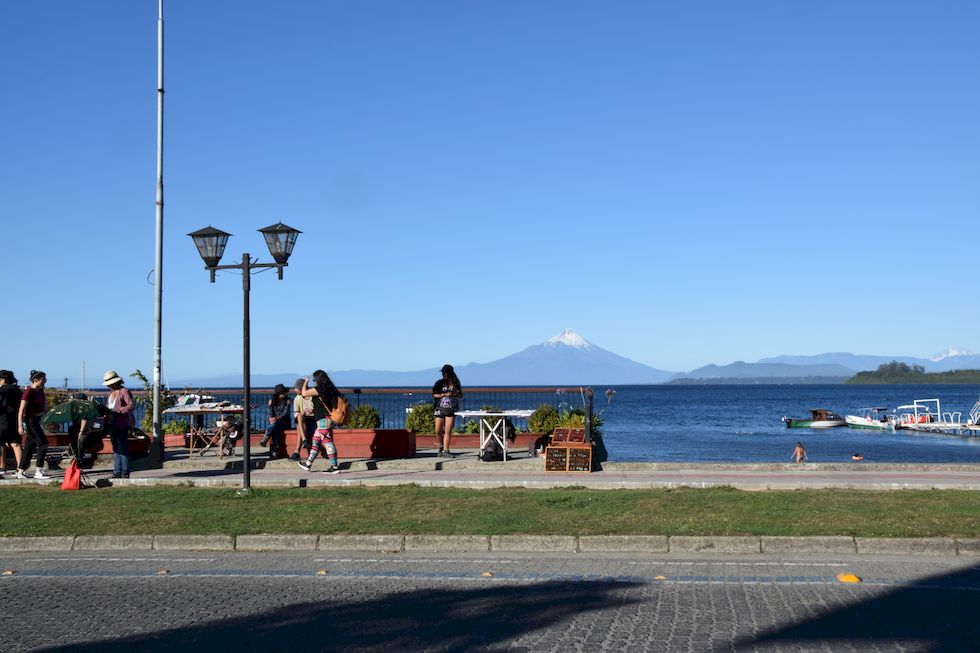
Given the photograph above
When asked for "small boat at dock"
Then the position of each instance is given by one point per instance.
(820, 418)
(873, 418)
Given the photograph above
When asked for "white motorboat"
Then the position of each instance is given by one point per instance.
(195, 403)
(871, 418)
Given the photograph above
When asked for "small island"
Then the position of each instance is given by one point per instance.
(903, 373)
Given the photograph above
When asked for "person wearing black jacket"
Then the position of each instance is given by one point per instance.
(9, 405)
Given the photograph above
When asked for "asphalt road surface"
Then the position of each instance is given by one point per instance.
(180, 602)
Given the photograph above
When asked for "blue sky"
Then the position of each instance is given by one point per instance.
(682, 183)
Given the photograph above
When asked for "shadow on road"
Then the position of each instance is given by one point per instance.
(936, 614)
(432, 620)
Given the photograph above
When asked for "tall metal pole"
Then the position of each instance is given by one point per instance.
(246, 377)
(158, 266)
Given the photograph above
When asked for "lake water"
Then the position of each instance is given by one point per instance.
(742, 423)
(728, 423)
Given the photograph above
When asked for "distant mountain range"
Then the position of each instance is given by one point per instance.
(835, 365)
(570, 359)
(566, 359)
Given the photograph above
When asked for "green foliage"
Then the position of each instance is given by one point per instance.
(544, 419)
(145, 401)
(575, 419)
(421, 419)
(364, 416)
(176, 426)
(899, 373)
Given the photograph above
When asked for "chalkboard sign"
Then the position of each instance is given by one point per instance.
(568, 459)
(580, 459)
(555, 459)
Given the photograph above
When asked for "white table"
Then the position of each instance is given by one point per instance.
(492, 425)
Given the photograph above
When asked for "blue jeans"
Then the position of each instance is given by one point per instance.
(120, 450)
(275, 430)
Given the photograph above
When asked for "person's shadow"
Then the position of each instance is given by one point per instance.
(941, 613)
(483, 618)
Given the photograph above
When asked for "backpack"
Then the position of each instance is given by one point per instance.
(341, 413)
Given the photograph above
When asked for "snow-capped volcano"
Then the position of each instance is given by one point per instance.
(569, 338)
(951, 352)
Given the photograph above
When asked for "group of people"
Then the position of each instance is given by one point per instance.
(316, 397)
(21, 433)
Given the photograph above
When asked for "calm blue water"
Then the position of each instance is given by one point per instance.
(729, 423)
(742, 424)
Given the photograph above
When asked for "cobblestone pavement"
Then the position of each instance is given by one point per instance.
(463, 602)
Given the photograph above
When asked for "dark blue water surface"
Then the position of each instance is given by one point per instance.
(742, 423)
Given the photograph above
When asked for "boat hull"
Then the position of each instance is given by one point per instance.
(814, 424)
(857, 422)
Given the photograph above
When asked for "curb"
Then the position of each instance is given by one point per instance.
(569, 544)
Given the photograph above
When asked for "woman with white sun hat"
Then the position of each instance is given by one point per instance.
(120, 403)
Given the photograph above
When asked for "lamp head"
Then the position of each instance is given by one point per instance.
(210, 243)
(280, 239)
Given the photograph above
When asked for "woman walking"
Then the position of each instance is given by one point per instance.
(325, 396)
(32, 405)
(445, 394)
(120, 403)
(9, 407)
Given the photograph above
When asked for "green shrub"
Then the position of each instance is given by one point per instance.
(364, 416)
(176, 426)
(575, 419)
(421, 419)
(543, 420)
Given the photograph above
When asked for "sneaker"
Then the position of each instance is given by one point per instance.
(3, 473)
(332, 470)
(264, 442)
(304, 465)
(40, 475)
(20, 475)
(294, 456)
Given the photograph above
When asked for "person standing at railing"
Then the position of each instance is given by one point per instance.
(305, 424)
(121, 407)
(446, 393)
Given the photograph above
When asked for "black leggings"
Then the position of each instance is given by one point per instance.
(35, 438)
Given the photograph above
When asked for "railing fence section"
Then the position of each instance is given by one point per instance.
(393, 404)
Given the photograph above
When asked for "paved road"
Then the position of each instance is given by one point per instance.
(406, 602)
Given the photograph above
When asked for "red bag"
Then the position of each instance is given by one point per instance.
(73, 477)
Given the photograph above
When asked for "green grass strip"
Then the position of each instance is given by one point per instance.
(33, 511)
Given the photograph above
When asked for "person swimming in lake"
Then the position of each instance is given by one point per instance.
(857, 456)
(799, 453)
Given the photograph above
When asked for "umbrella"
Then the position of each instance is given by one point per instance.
(72, 410)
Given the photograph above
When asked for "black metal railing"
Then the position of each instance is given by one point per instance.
(393, 404)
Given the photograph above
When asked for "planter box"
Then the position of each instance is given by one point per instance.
(137, 446)
(472, 441)
(366, 443)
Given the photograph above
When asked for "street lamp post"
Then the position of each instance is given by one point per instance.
(210, 243)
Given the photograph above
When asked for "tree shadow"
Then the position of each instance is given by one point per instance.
(939, 613)
(488, 618)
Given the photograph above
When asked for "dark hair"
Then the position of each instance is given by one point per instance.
(450, 375)
(325, 388)
(8, 376)
(35, 375)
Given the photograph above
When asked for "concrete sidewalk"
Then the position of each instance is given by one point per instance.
(467, 471)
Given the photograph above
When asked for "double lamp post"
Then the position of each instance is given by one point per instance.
(210, 243)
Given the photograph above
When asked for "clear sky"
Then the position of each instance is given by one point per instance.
(682, 183)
